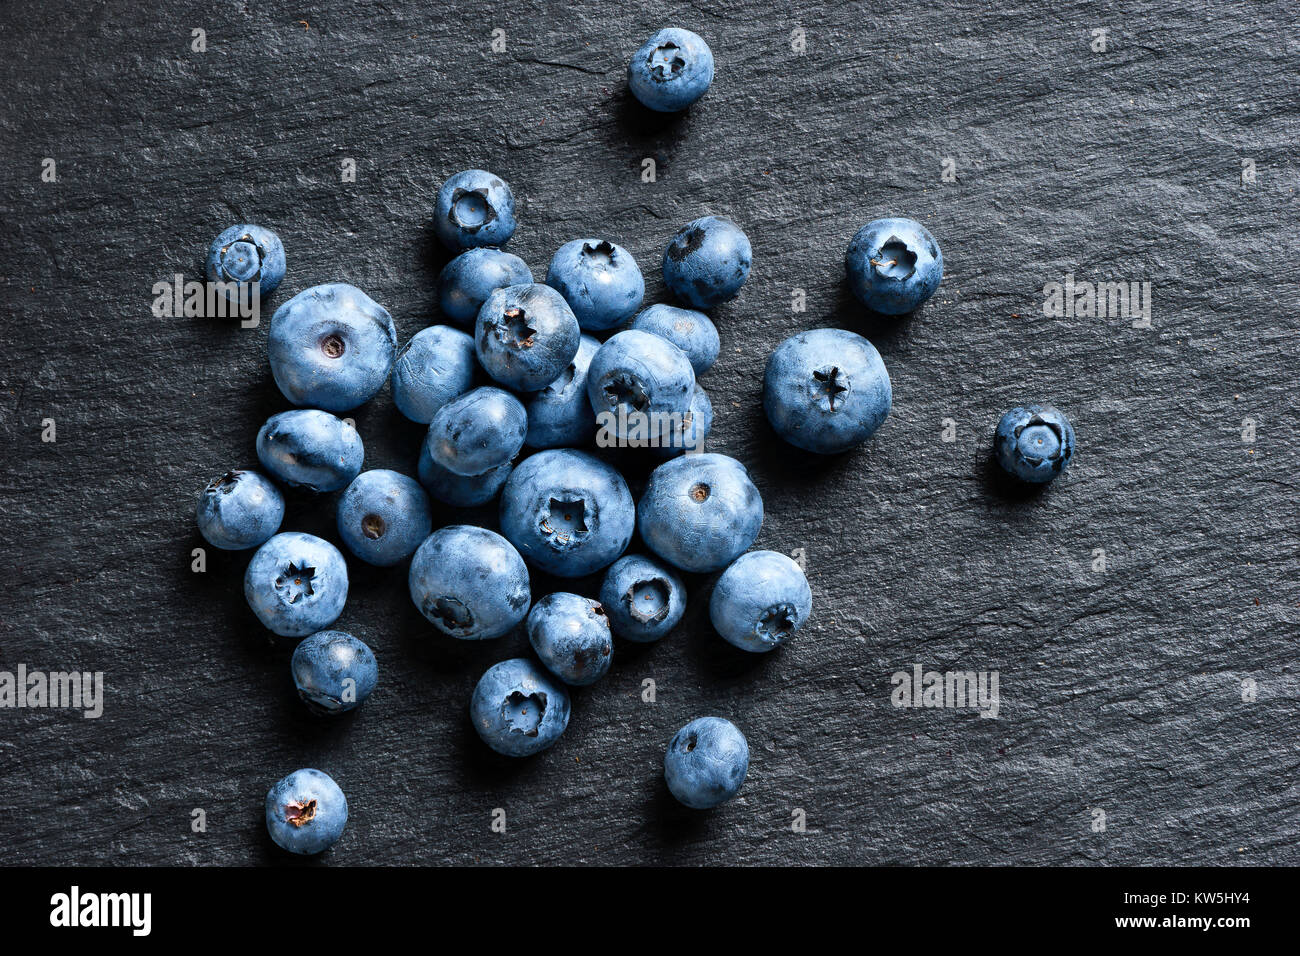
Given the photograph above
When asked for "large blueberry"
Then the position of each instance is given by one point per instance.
(296, 584)
(567, 512)
(436, 366)
(1034, 443)
(707, 262)
(526, 336)
(384, 516)
(331, 347)
(760, 601)
(240, 509)
(460, 491)
(474, 208)
(311, 449)
(518, 708)
(560, 416)
(470, 583)
(306, 812)
(600, 280)
(482, 430)
(691, 331)
(893, 265)
(671, 70)
(826, 390)
(643, 598)
(333, 671)
(245, 254)
(700, 512)
(467, 281)
(571, 635)
(706, 762)
(639, 385)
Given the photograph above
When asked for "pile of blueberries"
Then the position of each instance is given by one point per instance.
(557, 389)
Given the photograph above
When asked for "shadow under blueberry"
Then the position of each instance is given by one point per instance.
(885, 332)
(639, 124)
(1008, 488)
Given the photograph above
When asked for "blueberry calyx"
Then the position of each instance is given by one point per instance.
(601, 254)
(894, 253)
(449, 615)
(226, 483)
(656, 595)
(513, 329)
(777, 623)
(373, 527)
(295, 582)
(470, 209)
(333, 345)
(519, 717)
(565, 520)
(665, 60)
(829, 383)
(300, 813)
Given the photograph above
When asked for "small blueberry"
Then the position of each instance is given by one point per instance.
(306, 812)
(571, 635)
(518, 708)
(296, 584)
(760, 601)
(526, 336)
(333, 671)
(894, 265)
(643, 598)
(700, 512)
(560, 416)
(671, 70)
(240, 509)
(383, 516)
(460, 491)
(600, 280)
(243, 254)
(1034, 443)
(474, 208)
(707, 262)
(307, 448)
(638, 385)
(436, 366)
(477, 432)
(706, 762)
(467, 281)
(692, 332)
(470, 583)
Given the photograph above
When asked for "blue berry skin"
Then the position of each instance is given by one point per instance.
(460, 491)
(383, 517)
(692, 332)
(526, 336)
(760, 601)
(436, 366)
(893, 265)
(296, 584)
(307, 448)
(519, 709)
(707, 262)
(474, 208)
(482, 430)
(634, 374)
(246, 253)
(470, 583)
(306, 812)
(238, 510)
(331, 347)
(600, 280)
(567, 512)
(706, 762)
(560, 416)
(643, 598)
(467, 281)
(671, 70)
(826, 390)
(571, 635)
(333, 671)
(690, 437)
(700, 512)
(1034, 443)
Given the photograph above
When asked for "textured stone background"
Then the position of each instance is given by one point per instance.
(1122, 691)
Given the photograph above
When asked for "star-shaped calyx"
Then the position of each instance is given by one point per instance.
(295, 583)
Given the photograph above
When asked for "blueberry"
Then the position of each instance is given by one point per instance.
(826, 390)
(690, 434)
(894, 265)
(238, 510)
(707, 262)
(692, 332)
(311, 449)
(638, 384)
(671, 70)
(700, 512)
(333, 671)
(559, 416)
(477, 432)
(568, 513)
(643, 598)
(467, 281)
(460, 491)
(331, 347)
(1034, 443)
(436, 366)
(519, 709)
(296, 584)
(600, 281)
(384, 516)
(470, 583)
(306, 812)
(246, 253)
(760, 601)
(571, 635)
(706, 762)
(474, 208)
(526, 336)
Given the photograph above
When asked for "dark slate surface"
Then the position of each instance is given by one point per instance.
(1122, 691)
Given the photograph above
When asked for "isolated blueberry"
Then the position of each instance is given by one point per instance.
(699, 512)
(571, 635)
(692, 332)
(331, 347)
(567, 512)
(333, 671)
(436, 366)
(707, 262)
(671, 70)
(601, 282)
(894, 265)
(760, 601)
(690, 434)
(477, 432)
(384, 516)
(643, 598)
(474, 208)
(296, 584)
(706, 762)
(470, 583)
(639, 385)
(518, 708)
(526, 336)
(306, 812)
(1034, 443)
(460, 491)
(307, 448)
(240, 509)
(467, 281)
(244, 254)
(560, 416)
(826, 390)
